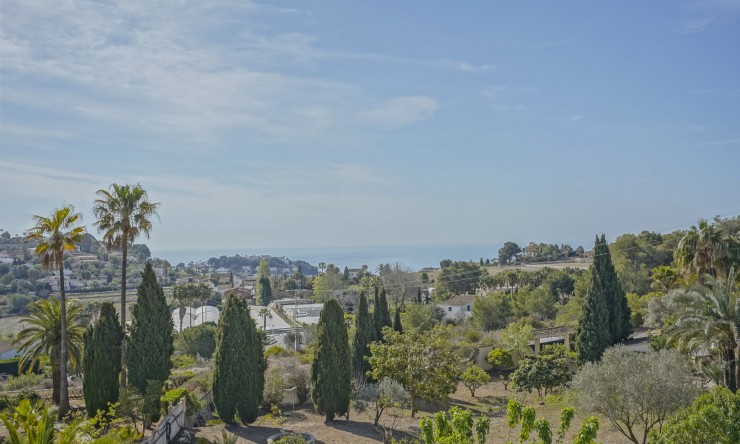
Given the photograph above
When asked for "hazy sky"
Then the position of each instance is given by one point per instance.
(339, 123)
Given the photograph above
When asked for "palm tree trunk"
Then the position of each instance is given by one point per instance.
(55, 376)
(63, 390)
(123, 307)
(731, 372)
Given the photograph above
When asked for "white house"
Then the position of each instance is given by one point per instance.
(303, 313)
(458, 307)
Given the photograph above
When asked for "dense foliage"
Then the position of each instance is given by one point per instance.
(238, 377)
(151, 341)
(474, 377)
(364, 334)
(605, 317)
(635, 391)
(713, 417)
(422, 362)
(42, 337)
(331, 367)
(381, 315)
(198, 340)
(263, 289)
(542, 373)
(101, 361)
(453, 427)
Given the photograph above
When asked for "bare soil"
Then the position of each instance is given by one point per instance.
(490, 399)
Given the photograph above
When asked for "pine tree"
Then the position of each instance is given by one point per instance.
(239, 374)
(331, 367)
(101, 361)
(397, 321)
(264, 287)
(150, 345)
(381, 315)
(593, 334)
(364, 331)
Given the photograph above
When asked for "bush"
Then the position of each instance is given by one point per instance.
(178, 379)
(293, 438)
(500, 359)
(199, 340)
(298, 377)
(192, 404)
(23, 381)
(11, 402)
(276, 350)
(274, 386)
(712, 417)
(18, 302)
(183, 361)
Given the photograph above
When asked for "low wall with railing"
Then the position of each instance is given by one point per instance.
(169, 426)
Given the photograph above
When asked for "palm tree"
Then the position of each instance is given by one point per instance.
(665, 279)
(57, 234)
(124, 212)
(185, 294)
(265, 313)
(711, 318)
(42, 336)
(702, 250)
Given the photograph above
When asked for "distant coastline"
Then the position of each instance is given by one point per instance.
(415, 257)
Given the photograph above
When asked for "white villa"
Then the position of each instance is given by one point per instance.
(303, 313)
(458, 307)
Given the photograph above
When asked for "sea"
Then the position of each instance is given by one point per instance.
(414, 257)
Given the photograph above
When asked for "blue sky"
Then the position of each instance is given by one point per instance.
(336, 123)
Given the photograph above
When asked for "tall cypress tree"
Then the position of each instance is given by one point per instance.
(364, 331)
(101, 360)
(331, 367)
(239, 374)
(263, 288)
(397, 321)
(619, 311)
(150, 346)
(593, 334)
(381, 315)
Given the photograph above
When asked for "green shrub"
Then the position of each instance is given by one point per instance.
(274, 386)
(192, 404)
(276, 350)
(198, 340)
(500, 359)
(23, 381)
(183, 361)
(178, 379)
(293, 438)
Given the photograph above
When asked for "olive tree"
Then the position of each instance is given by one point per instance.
(635, 391)
(423, 363)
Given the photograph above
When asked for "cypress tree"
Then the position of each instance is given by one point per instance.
(364, 331)
(331, 367)
(239, 374)
(619, 311)
(593, 334)
(151, 343)
(263, 288)
(381, 315)
(418, 295)
(345, 274)
(397, 321)
(101, 361)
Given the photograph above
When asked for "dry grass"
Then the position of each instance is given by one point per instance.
(491, 399)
